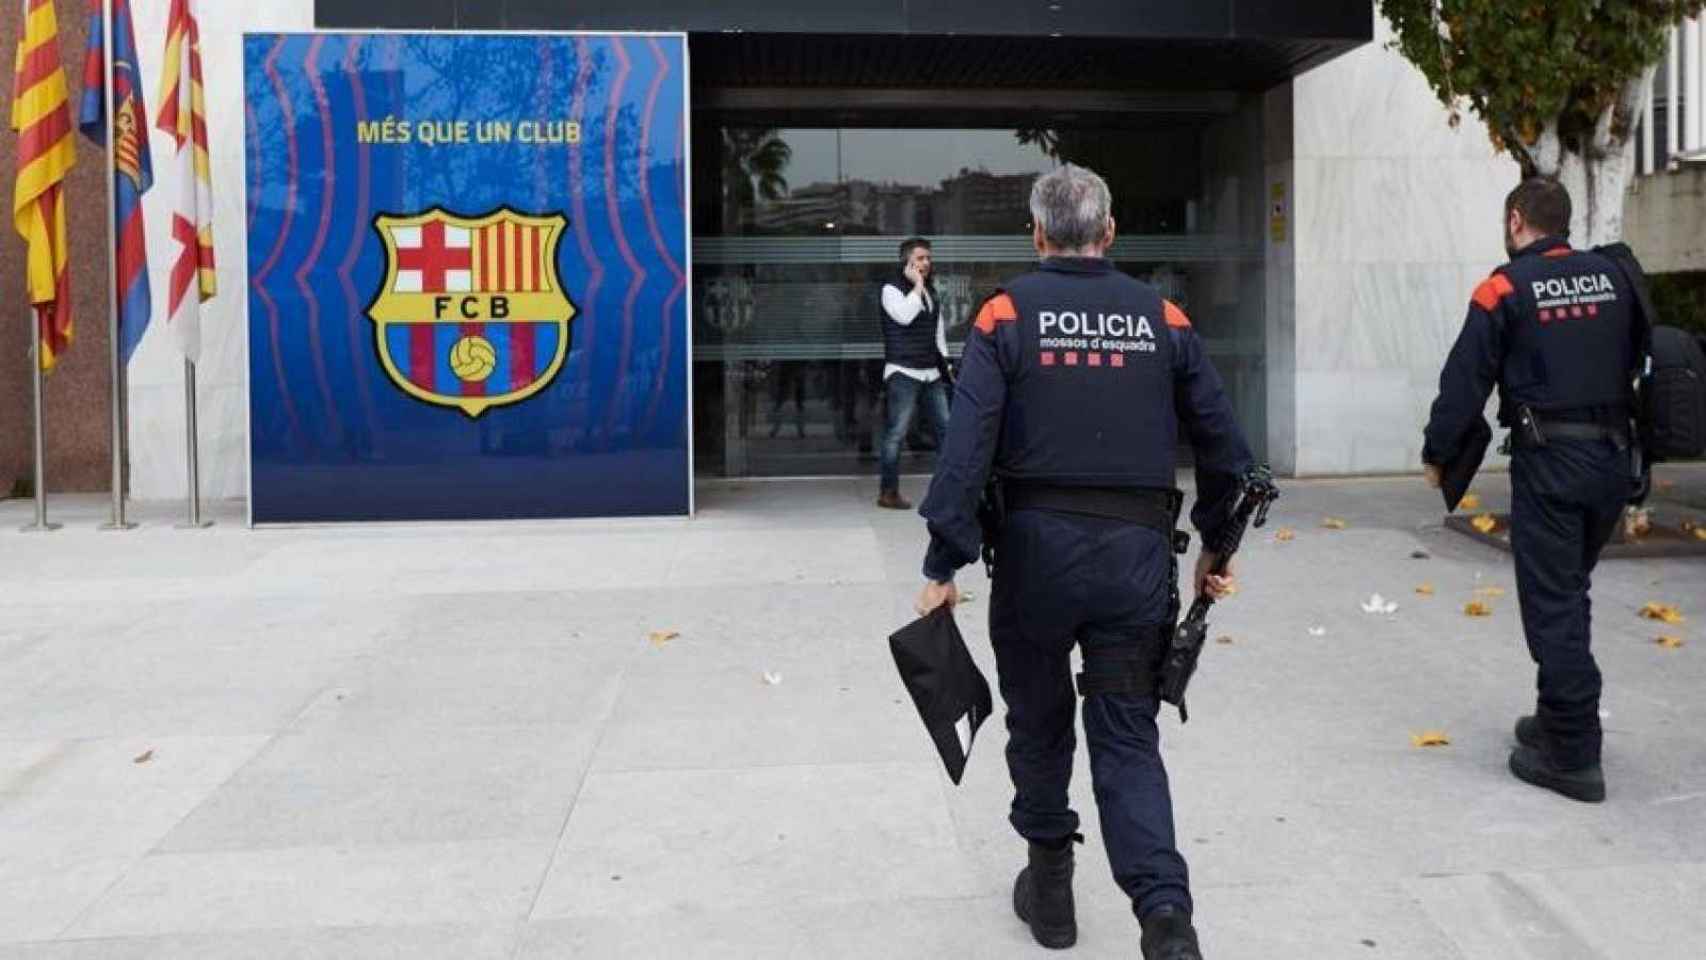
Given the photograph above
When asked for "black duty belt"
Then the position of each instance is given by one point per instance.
(1573, 430)
(1586, 431)
(1145, 507)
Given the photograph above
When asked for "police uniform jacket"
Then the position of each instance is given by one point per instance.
(1078, 375)
(1555, 330)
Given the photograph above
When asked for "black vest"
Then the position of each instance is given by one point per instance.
(914, 344)
(1091, 402)
(1569, 335)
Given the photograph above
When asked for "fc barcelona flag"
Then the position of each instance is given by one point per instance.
(133, 171)
(41, 114)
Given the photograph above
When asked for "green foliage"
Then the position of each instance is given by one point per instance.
(1680, 299)
(1522, 65)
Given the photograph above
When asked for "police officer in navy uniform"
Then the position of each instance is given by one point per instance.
(1074, 381)
(1556, 330)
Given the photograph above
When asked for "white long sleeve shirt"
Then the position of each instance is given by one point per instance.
(904, 308)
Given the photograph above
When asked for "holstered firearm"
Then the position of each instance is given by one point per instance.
(1257, 494)
(991, 515)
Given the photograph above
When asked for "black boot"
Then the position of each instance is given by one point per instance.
(1168, 935)
(1042, 895)
(1528, 732)
(1531, 766)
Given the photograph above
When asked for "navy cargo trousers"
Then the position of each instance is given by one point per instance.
(1063, 581)
(1566, 501)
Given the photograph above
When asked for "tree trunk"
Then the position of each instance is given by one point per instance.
(1597, 170)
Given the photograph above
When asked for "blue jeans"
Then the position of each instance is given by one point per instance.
(903, 396)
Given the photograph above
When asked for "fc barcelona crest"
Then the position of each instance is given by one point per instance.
(473, 314)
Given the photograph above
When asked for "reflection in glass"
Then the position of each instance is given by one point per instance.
(803, 226)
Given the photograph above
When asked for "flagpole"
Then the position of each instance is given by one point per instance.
(116, 398)
(40, 525)
(192, 461)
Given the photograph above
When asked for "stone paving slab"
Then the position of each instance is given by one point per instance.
(446, 741)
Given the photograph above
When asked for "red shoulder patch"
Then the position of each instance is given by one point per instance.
(1492, 290)
(1175, 317)
(997, 309)
(1558, 253)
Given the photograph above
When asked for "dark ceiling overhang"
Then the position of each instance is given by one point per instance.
(1013, 44)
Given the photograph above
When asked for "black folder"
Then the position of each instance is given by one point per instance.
(949, 690)
(1456, 476)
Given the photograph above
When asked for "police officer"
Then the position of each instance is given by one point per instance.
(1556, 330)
(1074, 380)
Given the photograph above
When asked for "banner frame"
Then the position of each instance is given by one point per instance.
(687, 264)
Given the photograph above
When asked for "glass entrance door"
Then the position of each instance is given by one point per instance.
(796, 229)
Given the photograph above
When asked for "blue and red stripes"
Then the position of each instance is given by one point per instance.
(422, 353)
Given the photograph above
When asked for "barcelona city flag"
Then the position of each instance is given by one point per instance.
(134, 171)
(183, 116)
(41, 114)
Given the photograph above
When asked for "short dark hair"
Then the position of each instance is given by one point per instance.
(1544, 203)
(910, 244)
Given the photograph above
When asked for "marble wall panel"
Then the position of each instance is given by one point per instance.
(1396, 219)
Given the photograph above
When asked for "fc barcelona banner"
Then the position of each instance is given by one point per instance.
(468, 266)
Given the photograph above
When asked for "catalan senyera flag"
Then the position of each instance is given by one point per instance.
(41, 114)
(183, 114)
(134, 168)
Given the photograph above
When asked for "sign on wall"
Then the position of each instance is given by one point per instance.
(468, 265)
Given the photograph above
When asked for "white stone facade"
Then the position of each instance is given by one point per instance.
(1396, 218)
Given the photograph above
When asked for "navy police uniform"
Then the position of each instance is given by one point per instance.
(1077, 376)
(1556, 330)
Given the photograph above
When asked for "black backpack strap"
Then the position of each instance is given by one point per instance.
(1646, 318)
(1630, 268)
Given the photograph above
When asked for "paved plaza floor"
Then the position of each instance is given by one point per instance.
(462, 742)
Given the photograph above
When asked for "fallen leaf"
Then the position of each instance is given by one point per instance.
(1285, 535)
(1669, 643)
(1476, 608)
(1638, 523)
(1420, 555)
(1470, 501)
(1430, 738)
(1699, 533)
(1317, 631)
(1223, 641)
(772, 679)
(1490, 593)
(1485, 523)
(1334, 523)
(1664, 486)
(1426, 590)
(1380, 605)
(661, 637)
(146, 756)
(1663, 611)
